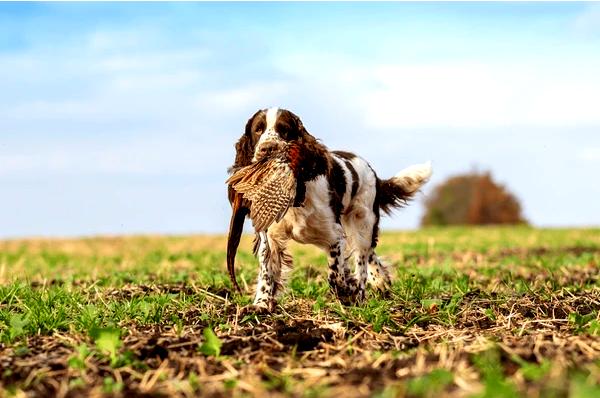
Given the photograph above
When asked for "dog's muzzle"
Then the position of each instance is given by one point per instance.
(266, 149)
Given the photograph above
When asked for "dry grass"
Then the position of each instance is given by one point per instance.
(473, 313)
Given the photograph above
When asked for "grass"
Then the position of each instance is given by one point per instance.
(481, 312)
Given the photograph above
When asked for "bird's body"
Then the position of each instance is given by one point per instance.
(269, 185)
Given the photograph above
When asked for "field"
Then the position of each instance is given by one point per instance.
(485, 312)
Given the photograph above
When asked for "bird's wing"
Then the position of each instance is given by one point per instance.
(270, 186)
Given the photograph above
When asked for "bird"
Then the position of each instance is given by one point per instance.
(269, 185)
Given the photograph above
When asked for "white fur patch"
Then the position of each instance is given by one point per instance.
(269, 134)
(413, 177)
(314, 222)
(271, 118)
(359, 218)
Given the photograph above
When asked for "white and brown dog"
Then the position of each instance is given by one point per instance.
(337, 208)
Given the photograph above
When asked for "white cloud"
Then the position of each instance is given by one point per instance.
(548, 93)
(432, 96)
(480, 95)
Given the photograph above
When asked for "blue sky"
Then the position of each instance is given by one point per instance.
(121, 118)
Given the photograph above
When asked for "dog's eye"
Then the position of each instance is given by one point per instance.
(258, 132)
(287, 133)
(259, 128)
(291, 134)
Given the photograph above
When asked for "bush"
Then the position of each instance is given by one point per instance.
(473, 199)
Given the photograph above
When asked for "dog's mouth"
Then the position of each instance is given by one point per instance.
(266, 150)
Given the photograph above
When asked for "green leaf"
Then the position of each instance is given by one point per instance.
(581, 388)
(77, 361)
(534, 372)
(77, 383)
(584, 323)
(494, 382)
(17, 325)
(110, 386)
(490, 314)
(430, 384)
(108, 341)
(594, 328)
(194, 382)
(429, 304)
(21, 351)
(212, 344)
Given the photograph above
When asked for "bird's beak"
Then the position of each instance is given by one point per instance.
(236, 226)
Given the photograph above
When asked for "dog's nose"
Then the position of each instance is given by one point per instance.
(266, 149)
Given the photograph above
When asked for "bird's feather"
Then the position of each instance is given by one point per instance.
(269, 185)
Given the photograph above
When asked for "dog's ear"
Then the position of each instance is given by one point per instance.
(244, 151)
(244, 148)
(302, 132)
(314, 155)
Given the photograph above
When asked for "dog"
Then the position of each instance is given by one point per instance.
(337, 207)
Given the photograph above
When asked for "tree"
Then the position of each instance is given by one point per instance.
(474, 199)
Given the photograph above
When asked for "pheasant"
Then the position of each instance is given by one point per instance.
(269, 185)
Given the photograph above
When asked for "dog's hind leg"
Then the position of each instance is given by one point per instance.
(379, 277)
(361, 225)
(341, 280)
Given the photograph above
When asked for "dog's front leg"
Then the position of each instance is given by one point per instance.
(268, 276)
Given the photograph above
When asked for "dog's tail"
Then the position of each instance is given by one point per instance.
(395, 192)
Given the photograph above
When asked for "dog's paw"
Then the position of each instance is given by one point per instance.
(262, 308)
(349, 294)
(351, 298)
(382, 288)
(381, 293)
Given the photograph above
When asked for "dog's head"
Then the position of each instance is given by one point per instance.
(267, 130)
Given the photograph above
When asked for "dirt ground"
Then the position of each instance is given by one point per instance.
(498, 342)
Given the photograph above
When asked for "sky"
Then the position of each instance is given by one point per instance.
(121, 118)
